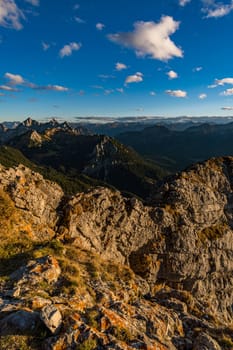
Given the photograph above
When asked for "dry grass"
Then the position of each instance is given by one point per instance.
(212, 232)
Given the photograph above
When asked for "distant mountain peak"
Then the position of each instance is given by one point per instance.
(30, 122)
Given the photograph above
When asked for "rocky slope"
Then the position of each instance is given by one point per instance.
(101, 271)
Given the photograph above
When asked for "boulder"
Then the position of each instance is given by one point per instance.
(52, 318)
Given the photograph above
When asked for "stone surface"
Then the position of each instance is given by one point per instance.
(44, 269)
(105, 222)
(37, 197)
(51, 317)
(20, 322)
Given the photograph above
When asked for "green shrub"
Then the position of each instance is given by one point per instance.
(89, 344)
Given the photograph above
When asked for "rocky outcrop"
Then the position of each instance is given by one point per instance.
(36, 197)
(103, 221)
(121, 274)
(183, 239)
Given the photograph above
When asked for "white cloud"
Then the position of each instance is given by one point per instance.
(215, 10)
(176, 93)
(224, 81)
(227, 108)
(120, 66)
(33, 2)
(68, 49)
(202, 96)
(227, 92)
(135, 78)
(151, 39)
(45, 46)
(197, 69)
(14, 79)
(172, 75)
(100, 26)
(121, 90)
(10, 15)
(212, 86)
(50, 87)
(183, 2)
(79, 20)
(8, 88)
(152, 93)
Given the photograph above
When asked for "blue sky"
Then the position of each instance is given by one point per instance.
(68, 58)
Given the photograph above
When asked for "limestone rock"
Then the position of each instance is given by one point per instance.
(105, 222)
(51, 317)
(45, 269)
(37, 197)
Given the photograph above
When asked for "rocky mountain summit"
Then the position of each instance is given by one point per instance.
(98, 270)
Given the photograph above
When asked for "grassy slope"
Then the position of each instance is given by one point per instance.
(12, 157)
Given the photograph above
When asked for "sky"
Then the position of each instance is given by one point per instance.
(68, 58)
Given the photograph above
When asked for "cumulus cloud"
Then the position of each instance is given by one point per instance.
(172, 75)
(120, 66)
(151, 39)
(8, 88)
(227, 108)
(33, 2)
(14, 79)
(227, 92)
(212, 9)
(68, 49)
(224, 81)
(10, 15)
(100, 26)
(49, 87)
(152, 93)
(176, 93)
(202, 96)
(212, 86)
(183, 2)
(135, 78)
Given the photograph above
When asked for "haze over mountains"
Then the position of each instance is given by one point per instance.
(157, 146)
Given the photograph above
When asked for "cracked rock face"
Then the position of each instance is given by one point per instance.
(37, 197)
(184, 238)
(104, 221)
